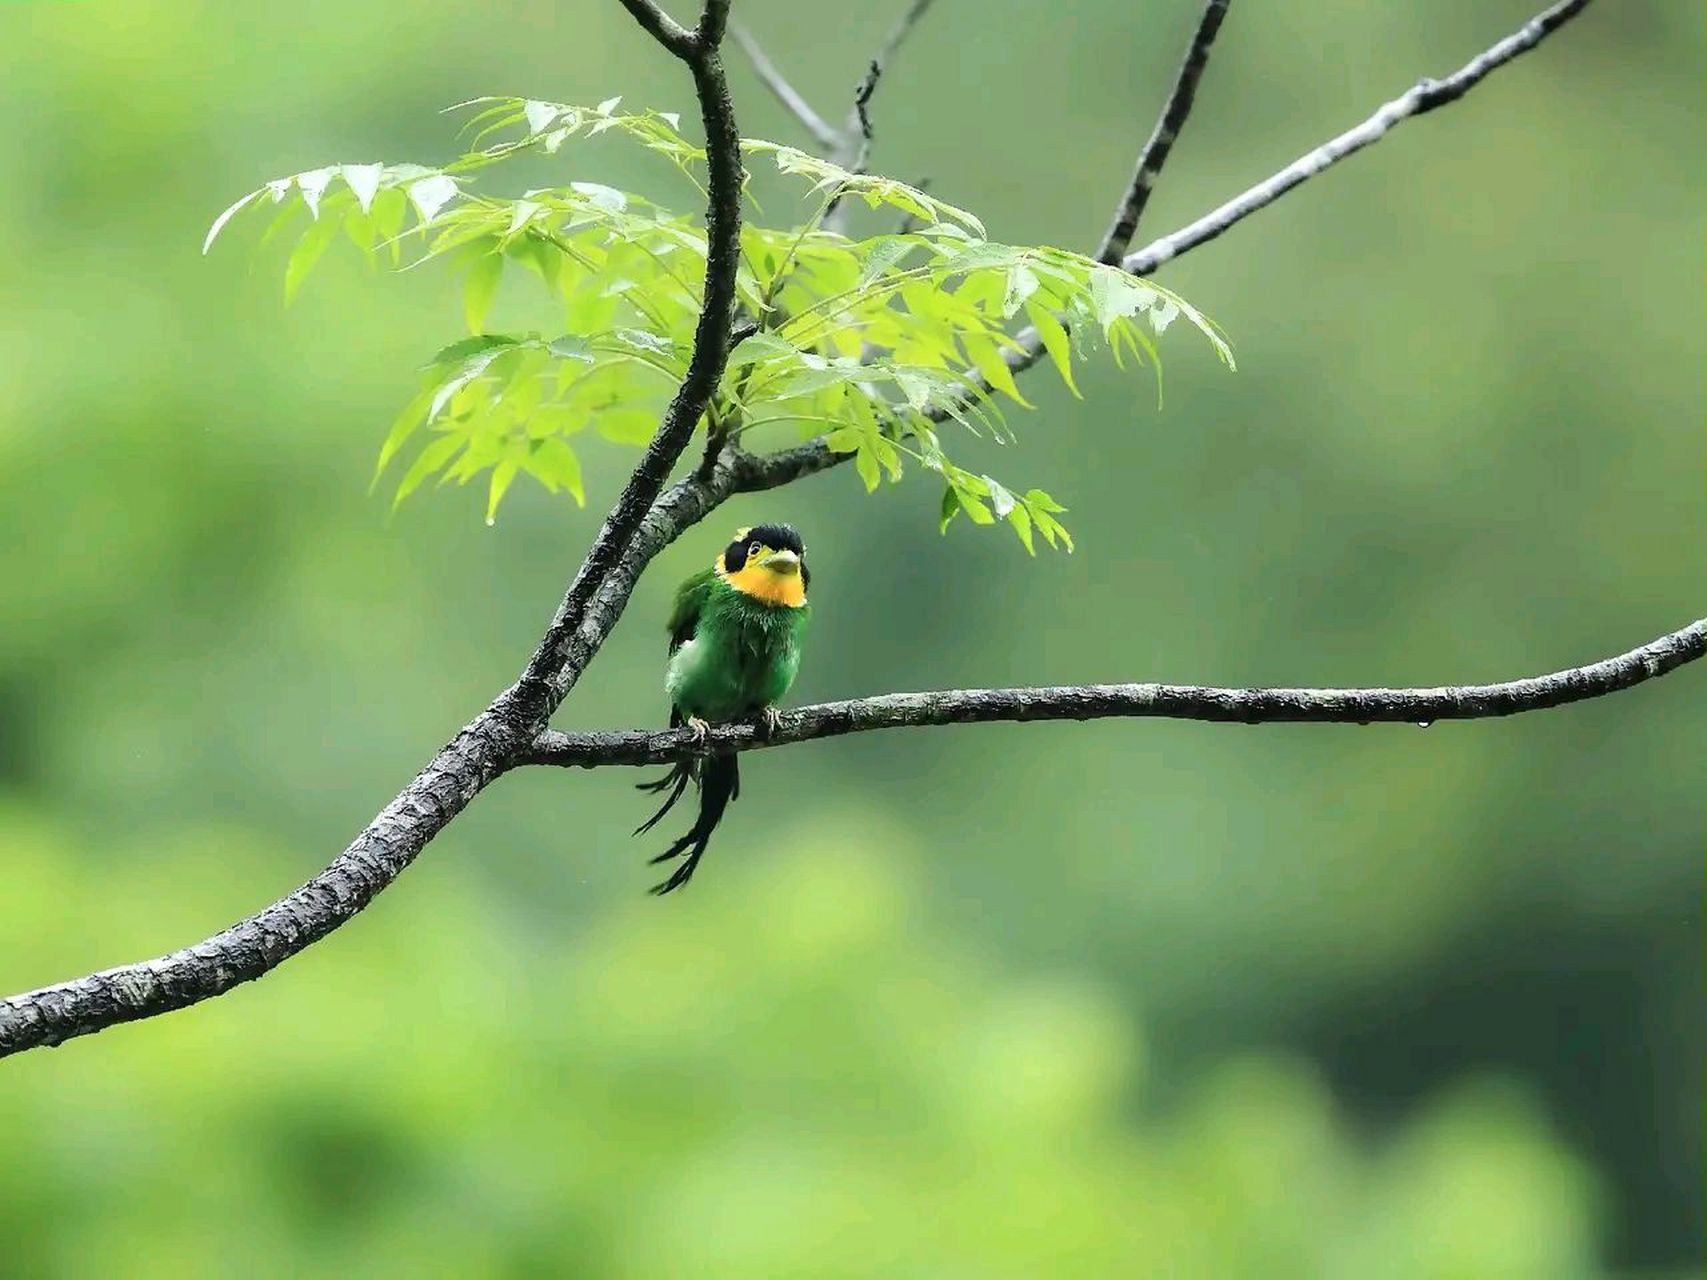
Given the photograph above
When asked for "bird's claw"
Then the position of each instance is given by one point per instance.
(770, 719)
(699, 728)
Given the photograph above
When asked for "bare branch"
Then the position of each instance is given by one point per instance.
(827, 138)
(803, 460)
(1155, 153)
(1102, 701)
(1424, 97)
(662, 27)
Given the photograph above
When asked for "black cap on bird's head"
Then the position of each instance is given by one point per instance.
(768, 561)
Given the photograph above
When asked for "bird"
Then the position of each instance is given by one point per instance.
(735, 638)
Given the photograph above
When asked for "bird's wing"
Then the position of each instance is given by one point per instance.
(690, 600)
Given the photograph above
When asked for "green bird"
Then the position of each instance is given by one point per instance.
(735, 634)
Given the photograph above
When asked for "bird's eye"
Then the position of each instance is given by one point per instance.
(753, 548)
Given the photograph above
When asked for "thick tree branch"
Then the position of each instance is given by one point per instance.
(1424, 97)
(637, 528)
(663, 28)
(1155, 153)
(568, 644)
(1166, 701)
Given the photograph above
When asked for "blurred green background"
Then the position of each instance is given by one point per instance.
(1123, 999)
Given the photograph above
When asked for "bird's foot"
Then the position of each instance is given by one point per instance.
(770, 719)
(699, 728)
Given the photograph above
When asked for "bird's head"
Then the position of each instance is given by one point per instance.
(767, 562)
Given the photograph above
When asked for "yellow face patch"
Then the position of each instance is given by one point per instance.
(753, 579)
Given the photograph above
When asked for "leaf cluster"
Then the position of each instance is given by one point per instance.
(876, 343)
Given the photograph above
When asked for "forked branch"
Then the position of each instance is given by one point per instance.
(647, 517)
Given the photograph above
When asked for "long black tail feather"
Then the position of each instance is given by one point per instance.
(677, 780)
(719, 782)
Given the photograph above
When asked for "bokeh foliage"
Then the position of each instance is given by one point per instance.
(1448, 969)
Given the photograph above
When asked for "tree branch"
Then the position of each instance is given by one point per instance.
(826, 136)
(1424, 97)
(792, 464)
(647, 517)
(640, 525)
(1165, 701)
(663, 28)
(1155, 153)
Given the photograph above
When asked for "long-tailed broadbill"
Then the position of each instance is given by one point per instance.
(735, 635)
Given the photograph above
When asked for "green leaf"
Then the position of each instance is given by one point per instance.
(414, 413)
(1054, 339)
(865, 462)
(426, 463)
(480, 288)
(571, 346)
(761, 346)
(1022, 283)
(987, 359)
(462, 348)
(307, 253)
(503, 475)
(1020, 519)
(949, 509)
(556, 464)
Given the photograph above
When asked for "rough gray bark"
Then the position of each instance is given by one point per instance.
(1152, 701)
(647, 517)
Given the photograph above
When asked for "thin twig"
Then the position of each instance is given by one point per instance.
(1424, 97)
(1155, 153)
(826, 136)
(1102, 701)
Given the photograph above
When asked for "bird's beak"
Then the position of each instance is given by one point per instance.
(782, 562)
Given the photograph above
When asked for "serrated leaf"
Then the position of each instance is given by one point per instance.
(480, 288)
